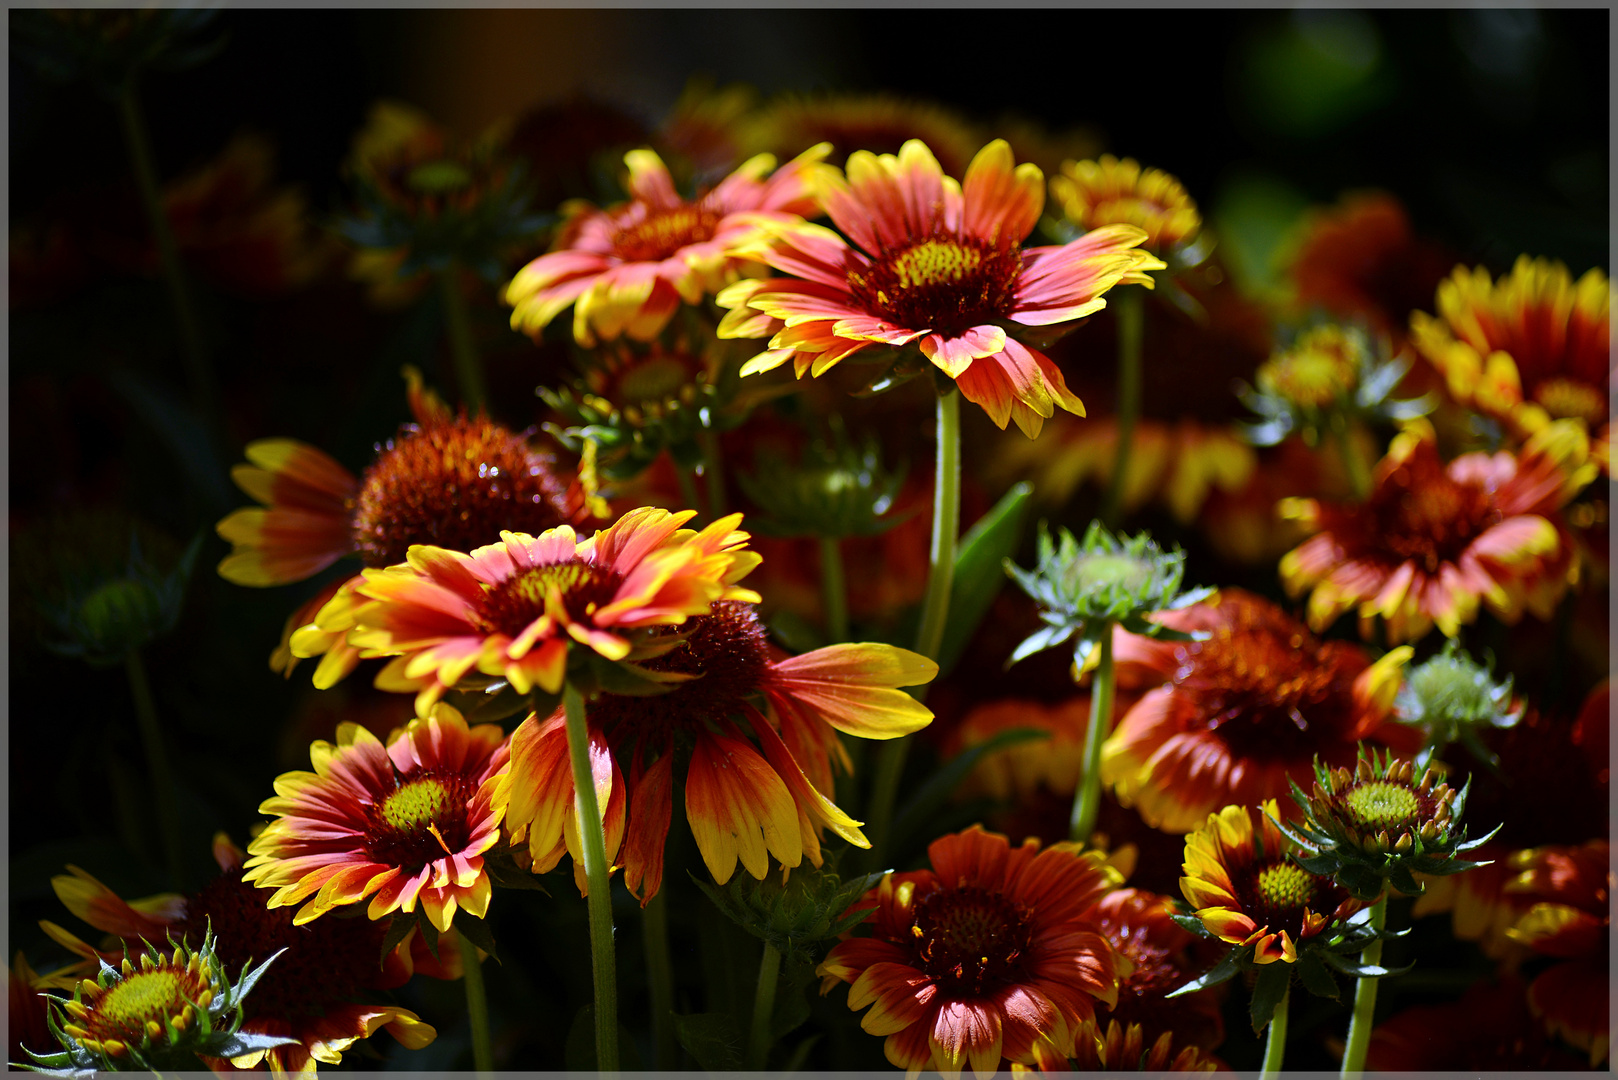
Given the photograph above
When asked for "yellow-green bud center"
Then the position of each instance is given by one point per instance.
(438, 177)
(1382, 805)
(123, 1010)
(1092, 573)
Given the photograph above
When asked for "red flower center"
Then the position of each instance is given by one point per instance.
(1421, 515)
(663, 232)
(454, 484)
(511, 605)
(422, 819)
(946, 282)
(970, 936)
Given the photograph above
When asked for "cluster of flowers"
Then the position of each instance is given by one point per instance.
(577, 656)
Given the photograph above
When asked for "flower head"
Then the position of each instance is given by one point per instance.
(1434, 540)
(835, 489)
(1330, 376)
(403, 824)
(1453, 698)
(1572, 921)
(937, 264)
(627, 269)
(876, 123)
(991, 954)
(1141, 927)
(1121, 1047)
(1094, 194)
(1489, 1028)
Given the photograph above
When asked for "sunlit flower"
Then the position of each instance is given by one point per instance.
(1094, 194)
(992, 954)
(509, 610)
(1244, 712)
(1490, 1028)
(1573, 922)
(1528, 349)
(451, 480)
(935, 263)
(1119, 1047)
(1433, 540)
(403, 824)
(626, 270)
(760, 734)
(1247, 889)
(322, 990)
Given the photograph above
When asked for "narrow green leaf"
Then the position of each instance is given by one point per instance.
(477, 932)
(1228, 967)
(1271, 987)
(398, 927)
(1316, 978)
(920, 809)
(978, 574)
(712, 1038)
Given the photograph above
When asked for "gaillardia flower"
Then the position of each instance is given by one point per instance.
(1244, 713)
(626, 270)
(324, 990)
(1433, 540)
(1094, 194)
(936, 263)
(1528, 349)
(992, 954)
(403, 824)
(1140, 925)
(1248, 890)
(1573, 922)
(1116, 1047)
(509, 610)
(757, 730)
(454, 481)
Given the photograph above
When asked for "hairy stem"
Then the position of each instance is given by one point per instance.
(660, 981)
(758, 1040)
(1087, 800)
(588, 812)
(1275, 1047)
(1359, 1027)
(477, 1006)
(464, 351)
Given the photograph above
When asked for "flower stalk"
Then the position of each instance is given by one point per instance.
(477, 1006)
(151, 734)
(833, 589)
(1359, 1026)
(463, 350)
(660, 980)
(713, 473)
(1275, 1046)
(588, 813)
(758, 1039)
(1087, 799)
(1131, 328)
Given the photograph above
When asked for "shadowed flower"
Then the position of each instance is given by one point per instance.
(626, 270)
(1573, 922)
(992, 954)
(400, 824)
(1528, 349)
(1243, 713)
(1093, 194)
(1433, 540)
(756, 785)
(1490, 1028)
(877, 123)
(937, 264)
(1141, 928)
(1117, 1047)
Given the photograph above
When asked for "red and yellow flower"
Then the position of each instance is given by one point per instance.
(1490, 1028)
(627, 269)
(1107, 191)
(936, 263)
(1141, 928)
(761, 732)
(877, 123)
(509, 610)
(403, 824)
(1529, 349)
(1116, 1047)
(1571, 921)
(991, 955)
(322, 990)
(1242, 713)
(1247, 890)
(1433, 540)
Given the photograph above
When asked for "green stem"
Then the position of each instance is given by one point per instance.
(157, 759)
(1087, 800)
(688, 487)
(1275, 1047)
(1359, 1027)
(192, 348)
(934, 609)
(660, 981)
(1131, 327)
(713, 471)
(1359, 477)
(588, 812)
(833, 590)
(477, 1005)
(464, 351)
(758, 1041)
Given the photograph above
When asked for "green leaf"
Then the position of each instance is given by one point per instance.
(429, 932)
(712, 1038)
(921, 809)
(1271, 987)
(504, 873)
(978, 574)
(477, 932)
(1229, 966)
(1191, 924)
(481, 708)
(1316, 979)
(398, 928)
(1349, 966)
(800, 1055)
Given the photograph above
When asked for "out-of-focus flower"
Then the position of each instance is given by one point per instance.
(1107, 191)
(509, 610)
(28, 1012)
(571, 148)
(992, 954)
(111, 48)
(935, 264)
(1244, 712)
(1141, 927)
(1489, 1028)
(450, 480)
(1120, 1047)
(403, 824)
(835, 489)
(1361, 260)
(1453, 699)
(705, 130)
(1248, 890)
(741, 803)
(1434, 540)
(321, 991)
(1331, 376)
(626, 270)
(1573, 922)
(876, 123)
(1017, 772)
(1529, 349)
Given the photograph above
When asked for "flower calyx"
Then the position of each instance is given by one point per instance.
(835, 489)
(1453, 699)
(796, 912)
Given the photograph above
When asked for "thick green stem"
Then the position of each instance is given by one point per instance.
(1359, 477)
(833, 590)
(1359, 1028)
(660, 981)
(934, 609)
(200, 374)
(1131, 326)
(758, 1040)
(588, 813)
(477, 1006)
(713, 473)
(463, 349)
(1087, 800)
(157, 759)
(1275, 1047)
